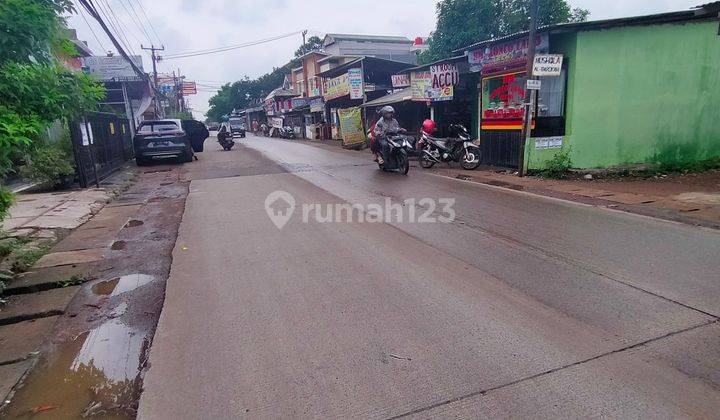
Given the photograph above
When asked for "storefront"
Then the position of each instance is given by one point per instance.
(409, 114)
(502, 98)
(352, 84)
(627, 92)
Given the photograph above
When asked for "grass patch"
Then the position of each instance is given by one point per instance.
(75, 280)
(688, 167)
(25, 258)
(557, 167)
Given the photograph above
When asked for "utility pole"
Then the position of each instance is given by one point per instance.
(152, 49)
(529, 94)
(304, 33)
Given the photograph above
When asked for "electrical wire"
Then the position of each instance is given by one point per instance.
(152, 28)
(228, 47)
(125, 31)
(80, 10)
(133, 18)
(121, 37)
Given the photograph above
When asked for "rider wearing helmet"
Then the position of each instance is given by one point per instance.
(386, 123)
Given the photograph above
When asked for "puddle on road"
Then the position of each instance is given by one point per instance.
(85, 378)
(120, 285)
(134, 223)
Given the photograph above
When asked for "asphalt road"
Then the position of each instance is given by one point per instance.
(521, 306)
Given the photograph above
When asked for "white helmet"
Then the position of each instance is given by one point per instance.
(387, 109)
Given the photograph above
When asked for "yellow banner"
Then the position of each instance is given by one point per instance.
(351, 126)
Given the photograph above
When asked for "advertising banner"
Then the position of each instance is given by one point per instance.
(351, 126)
(317, 105)
(299, 102)
(276, 122)
(336, 87)
(506, 55)
(421, 84)
(355, 81)
(400, 80)
(114, 68)
(189, 88)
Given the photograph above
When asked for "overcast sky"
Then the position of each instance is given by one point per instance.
(191, 25)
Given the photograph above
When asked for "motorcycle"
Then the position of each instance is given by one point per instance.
(460, 149)
(397, 158)
(287, 132)
(226, 141)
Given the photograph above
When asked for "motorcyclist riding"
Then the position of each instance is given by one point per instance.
(386, 123)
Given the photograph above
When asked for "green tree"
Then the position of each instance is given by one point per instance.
(248, 92)
(464, 22)
(34, 88)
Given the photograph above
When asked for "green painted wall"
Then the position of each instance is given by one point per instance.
(646, 94)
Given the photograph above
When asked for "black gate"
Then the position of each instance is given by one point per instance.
(501, 148)
(102, 143)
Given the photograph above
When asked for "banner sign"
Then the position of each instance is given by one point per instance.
(444, 75)
(355, 82)
(114, 68)
(400, 80)
(276, 122)
(317, 105)
(269, 107)
(336, 87)
(506, 55)
(189, 88)
(547, 65)
(421, 84)
(351, 126)
(299, 102)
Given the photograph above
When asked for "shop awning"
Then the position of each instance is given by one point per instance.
(393, 98)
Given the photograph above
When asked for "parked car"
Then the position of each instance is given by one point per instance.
(238, 127)
(171, 138)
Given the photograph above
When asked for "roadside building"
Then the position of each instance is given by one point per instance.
(308, 85)
(351, 84)
(278, 108)
(395, 48)
(632, 91)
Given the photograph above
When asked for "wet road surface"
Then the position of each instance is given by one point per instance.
(521, 306)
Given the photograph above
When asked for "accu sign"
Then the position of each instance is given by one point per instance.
(444, 75)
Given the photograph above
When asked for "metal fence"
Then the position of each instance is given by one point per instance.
(102, 143)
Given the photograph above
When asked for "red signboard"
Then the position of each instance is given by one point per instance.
(189, 88)
(505, 55)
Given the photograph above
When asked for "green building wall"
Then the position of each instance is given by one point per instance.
(639, 95)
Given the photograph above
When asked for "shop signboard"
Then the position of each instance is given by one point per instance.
(355, 82)
(547, 64)
(299, 102)
(317, 105)
(269, 107)
(189, 88)
(444, 75)
(351, 126)
(506, 55)
(533, 84)
(400, 80)
(336, 87)
(424, 90)
(542, 143)
(114, 68)
(276, 122)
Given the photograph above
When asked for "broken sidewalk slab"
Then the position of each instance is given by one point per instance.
(56, 259)
(111, 217)
(10, 375)
(18, 341)
(40, 279)
(87, 239)
(36, 305)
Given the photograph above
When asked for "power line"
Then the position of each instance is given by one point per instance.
(80, 9)
(90, 7)
(229, 47)
(121, 25)
(121, 36)
(135, 21)
(152, 28)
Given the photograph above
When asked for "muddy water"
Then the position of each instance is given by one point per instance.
(85, 377)
(120, 285)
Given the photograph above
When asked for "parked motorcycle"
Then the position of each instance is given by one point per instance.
(287, 132)
(460, 149)
(397, 157)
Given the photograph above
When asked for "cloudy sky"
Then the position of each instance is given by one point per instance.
(192, 25)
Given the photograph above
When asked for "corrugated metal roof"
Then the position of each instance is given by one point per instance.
(392, 98)
(659, 18)
(281, 92)
(373, 38)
